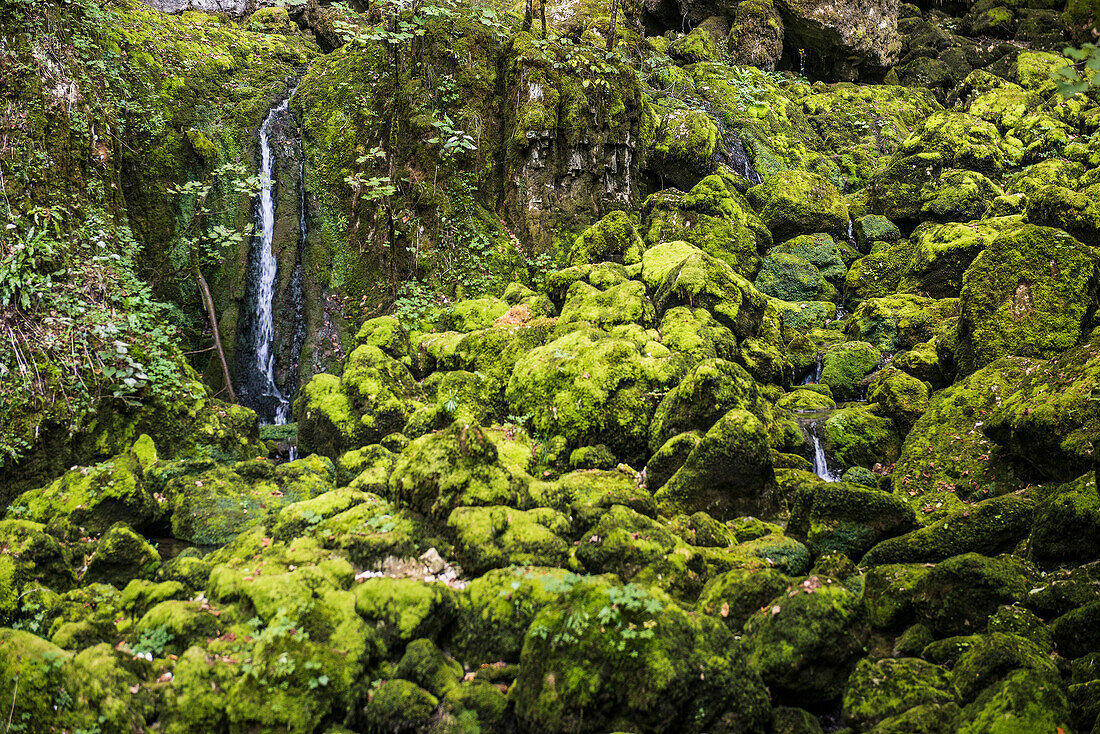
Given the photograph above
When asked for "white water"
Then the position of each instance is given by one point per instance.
(265, 296)
(821, 463)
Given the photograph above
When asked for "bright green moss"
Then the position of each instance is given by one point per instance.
(1015, 302)
(806, 642)
(575, 664)
(880, 689)
(494, 537)
(844, 365)
(797, 202)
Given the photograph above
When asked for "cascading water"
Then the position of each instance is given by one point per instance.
(269, 266)
(813, 374)
(821, 461)
(732, 150)
(268, 383)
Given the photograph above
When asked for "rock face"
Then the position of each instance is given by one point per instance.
(847, 34)
(229, 7)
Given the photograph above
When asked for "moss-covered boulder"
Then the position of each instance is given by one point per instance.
(94, 497)
(614, 238)
(589, 387)
(995, 525)
(582, 652)
(495, 537)
(1049, 420)
(686, 276)
(625, 303)
(728, 474)
(900, 397)
(756, 35)
(859, 436)
(888, 592)
(844, 365)
(960, 594)
(388, 334)
(834, 516)
(706, 393)
(947, 450)
(799, 202)
(693, 335)
(398, 705)
(1030, 293)
(121, 555)
(459, 466)
(944, 140)
(792, 278)
(880, 689)
(805, 643)
(370, 400)
(213, 507)
(1065, 527)
(685, 146)
(494, 613)
(405, 609)
(736, 595)
(1025, 700)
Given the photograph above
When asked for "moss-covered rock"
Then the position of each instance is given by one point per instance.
(881, 689)
(844, 365)
(614, 238)
(834, 516)
(792, 278)
(213, 507)
(494, 537)
(625, 303)
(1024, 701)
(736, 595)
(805, 643)
(960, 594)
(578, 660)
(121, 555)
(947, 450)
(1048, 419)
(1029, 293)
(589, 387)
(706, 393)
(858, 436)
(800, 202)
(94, 497)
(888, 592)
(900, 397)
(403, 610)
(1065, 524)
(497, 608)
(995, 525)
(398, 705)
(459, 466)
(729, 473)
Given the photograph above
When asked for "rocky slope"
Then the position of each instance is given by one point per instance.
(654, 391)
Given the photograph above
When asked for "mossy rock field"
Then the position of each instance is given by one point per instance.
(641, 366)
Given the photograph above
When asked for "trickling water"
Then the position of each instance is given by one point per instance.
(821, 461)
(851, 232)
(814, 373)
(732, 150)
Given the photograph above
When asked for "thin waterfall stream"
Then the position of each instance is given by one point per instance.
(269, 383)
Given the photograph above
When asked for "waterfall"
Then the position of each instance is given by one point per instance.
(267, 365)
(814, 373)
(821, 462)
(269, 266)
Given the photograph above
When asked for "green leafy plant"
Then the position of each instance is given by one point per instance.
(1082, 76)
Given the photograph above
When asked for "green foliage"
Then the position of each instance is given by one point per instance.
(626, 617)
(153, 641)
(1083, 75)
